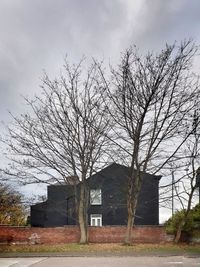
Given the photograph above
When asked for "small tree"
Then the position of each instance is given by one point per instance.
(63, 135)
(12, 210)
(185, 187)
(151, 96)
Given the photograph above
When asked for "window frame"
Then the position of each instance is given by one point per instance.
(94, 218)
(96, 196)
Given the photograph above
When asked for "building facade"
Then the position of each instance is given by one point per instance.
(107, 201)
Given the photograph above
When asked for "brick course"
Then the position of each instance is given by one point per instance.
(71, 234)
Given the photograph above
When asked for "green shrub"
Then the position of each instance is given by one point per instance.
(192, 222)
(196, 217)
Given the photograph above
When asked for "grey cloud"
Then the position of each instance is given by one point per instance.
(42, 25)
(167, 21)
(36, 35)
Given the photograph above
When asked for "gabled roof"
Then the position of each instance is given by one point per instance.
(74, 180)
(126, 169)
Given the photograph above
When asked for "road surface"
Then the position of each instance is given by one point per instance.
(175, 261)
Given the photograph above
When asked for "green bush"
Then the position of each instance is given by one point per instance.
(196, 217)
(192, 222)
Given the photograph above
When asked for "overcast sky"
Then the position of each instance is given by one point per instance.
(35, 35)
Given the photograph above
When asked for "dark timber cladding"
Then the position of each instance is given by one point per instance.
(108, 190)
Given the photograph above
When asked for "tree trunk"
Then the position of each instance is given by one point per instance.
(132, 199)
(179, 231)
(185, 218)
(128, 234)
(82, 215)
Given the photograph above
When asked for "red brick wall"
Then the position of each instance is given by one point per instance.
(115, 234)
(39, 235)
(106, 234)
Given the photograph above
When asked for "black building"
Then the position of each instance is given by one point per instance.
(107, 201)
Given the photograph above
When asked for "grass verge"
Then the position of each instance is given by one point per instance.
(111, 249)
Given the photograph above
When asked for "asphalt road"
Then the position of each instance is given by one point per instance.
(175, 261)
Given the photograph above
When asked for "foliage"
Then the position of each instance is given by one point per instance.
(192, 222)
(11, 208)
(196, 217)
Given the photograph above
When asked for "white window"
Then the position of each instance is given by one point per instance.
(95, 197)
(96, 219)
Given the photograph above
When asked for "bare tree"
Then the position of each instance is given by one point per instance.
(151, 96)
(63, 135)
